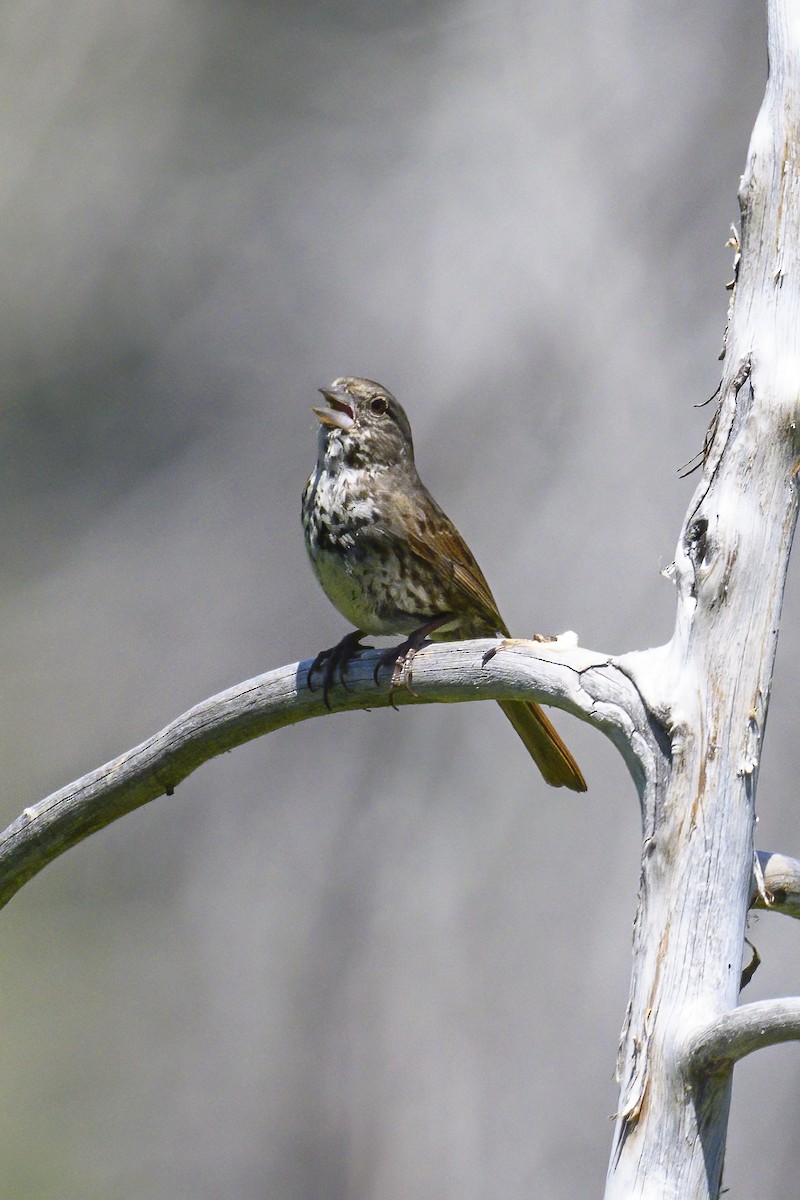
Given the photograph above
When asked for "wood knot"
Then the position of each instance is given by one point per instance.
(696, 543)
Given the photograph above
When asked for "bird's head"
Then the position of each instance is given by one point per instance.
(367, 422)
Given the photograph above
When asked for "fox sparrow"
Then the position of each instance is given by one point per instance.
(390, 559)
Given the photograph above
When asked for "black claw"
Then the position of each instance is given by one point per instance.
(335, 661)
(398, 658)
(315, 666)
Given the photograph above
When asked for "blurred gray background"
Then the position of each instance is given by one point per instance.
(370, 956)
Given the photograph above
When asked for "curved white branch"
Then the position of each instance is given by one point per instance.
(722, 1042)
(579, 681)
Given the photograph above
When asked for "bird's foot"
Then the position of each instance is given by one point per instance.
(399, 658)
(403, 655)
(335, 661)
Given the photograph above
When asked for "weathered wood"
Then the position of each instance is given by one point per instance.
(710, 688)
(720, 1044)
(777, 884)
(586, 684)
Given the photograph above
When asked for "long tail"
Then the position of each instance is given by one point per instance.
(544, 745)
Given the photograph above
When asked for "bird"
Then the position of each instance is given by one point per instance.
(390, 559)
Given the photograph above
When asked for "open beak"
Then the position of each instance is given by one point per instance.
(341, 413)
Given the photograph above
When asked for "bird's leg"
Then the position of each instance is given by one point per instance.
(336, 659)
(403, 655)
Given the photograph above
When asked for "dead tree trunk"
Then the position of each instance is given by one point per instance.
(708, 689)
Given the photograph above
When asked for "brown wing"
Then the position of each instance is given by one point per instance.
(417, 521)
(434, 539)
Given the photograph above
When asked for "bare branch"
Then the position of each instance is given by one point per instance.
(780, 884)
(586, 684)
(716, 1047)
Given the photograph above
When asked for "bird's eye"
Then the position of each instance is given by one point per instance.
(379, 405)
